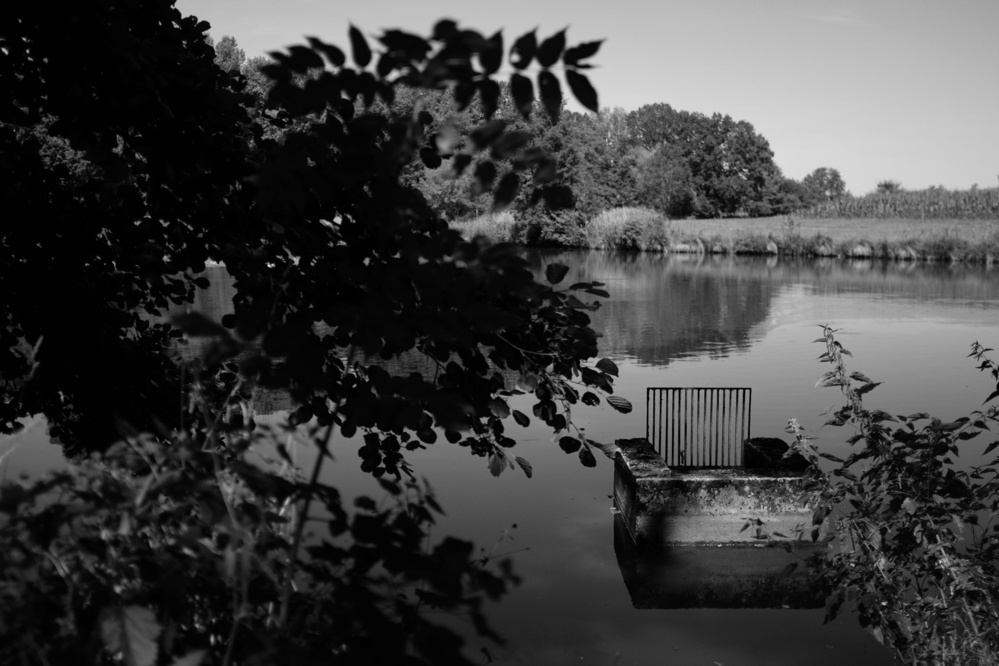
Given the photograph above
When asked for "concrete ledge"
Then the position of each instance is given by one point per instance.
(729, 576)
(664, 506)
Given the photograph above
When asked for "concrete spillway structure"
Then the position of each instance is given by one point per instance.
(728, 537)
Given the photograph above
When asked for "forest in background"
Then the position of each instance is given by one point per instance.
(680, 164)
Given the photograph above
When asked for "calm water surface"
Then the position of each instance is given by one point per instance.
(684, 321)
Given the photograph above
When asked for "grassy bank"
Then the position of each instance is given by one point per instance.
(641, 229)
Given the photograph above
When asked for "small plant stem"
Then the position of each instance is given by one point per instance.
(296, 541)
(231, 643)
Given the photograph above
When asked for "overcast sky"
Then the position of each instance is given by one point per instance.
(906, 90)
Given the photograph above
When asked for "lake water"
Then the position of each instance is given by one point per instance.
(684, 321)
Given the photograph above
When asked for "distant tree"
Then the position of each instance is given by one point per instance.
(731, 166)
(888, 187)
(598, 162)
(822, 185)
(228, 56)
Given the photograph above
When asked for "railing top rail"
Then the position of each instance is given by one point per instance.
(699, 388)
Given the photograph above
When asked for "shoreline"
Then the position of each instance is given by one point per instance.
(644, 230)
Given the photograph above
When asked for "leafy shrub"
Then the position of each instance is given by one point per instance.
(544, 228)
(912, 542)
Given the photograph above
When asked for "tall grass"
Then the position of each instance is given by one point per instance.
(629, 229)
(497, 227)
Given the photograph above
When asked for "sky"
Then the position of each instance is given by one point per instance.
(904, 90)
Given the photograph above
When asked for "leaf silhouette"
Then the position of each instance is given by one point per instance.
(360, 48)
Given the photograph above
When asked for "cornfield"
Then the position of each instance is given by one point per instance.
(932, 203)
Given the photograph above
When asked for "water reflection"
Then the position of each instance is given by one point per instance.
(669, 307)
(699, 576)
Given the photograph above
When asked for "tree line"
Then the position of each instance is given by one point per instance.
(681, 163)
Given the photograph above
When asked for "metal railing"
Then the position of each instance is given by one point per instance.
(699, 427)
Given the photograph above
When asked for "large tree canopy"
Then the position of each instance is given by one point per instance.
(331, 251)
(131, 153)
(731, 166)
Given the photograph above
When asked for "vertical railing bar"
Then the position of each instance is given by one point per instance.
(745, 415)
(677, 422)
(699, 427)
(685, 401)
(680, 424)
(742, 416)
(706, 429)
(658, 425)
(649, 418)
(651, 428)
(711, 433)
(692, 448)
(689, 454)
(669, 420)
(723, 460)
(730, 417)
(721, 426)
(678, 428)
(734, 420)
(719, 459)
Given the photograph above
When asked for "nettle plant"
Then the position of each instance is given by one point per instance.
(181, 548)
(913, 539)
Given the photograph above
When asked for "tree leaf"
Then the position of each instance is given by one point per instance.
(491, 55)
(506, 191)
(193, 658)
(303, 59)
(485, 174)
(509, 143)
(445, 29)
(499, 408)
(497, 463)
(555, 273)
(551, 94)
(359, 47)
(429, 157)
(574, 54)
(483, 135)
(607, 366)
(522, 91)
(787, 570)
(609, 450)
(569, 444)
(590, 399)
(489, 92)
(332, 53)
(619, 403)
(526, 466)
(551, 49)
(524, 49)
(132, 631)
(586, 457)
(521, 418)
(582, 90)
